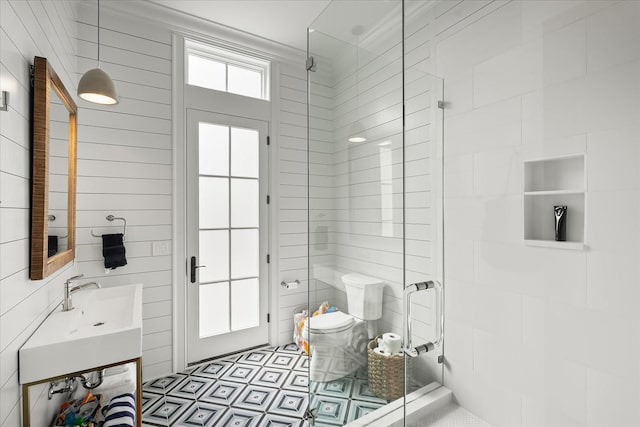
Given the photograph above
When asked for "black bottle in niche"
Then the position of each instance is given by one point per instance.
(560, 215)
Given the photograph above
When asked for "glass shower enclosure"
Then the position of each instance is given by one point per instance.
(374, 211)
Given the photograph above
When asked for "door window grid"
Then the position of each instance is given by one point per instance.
(238, 309)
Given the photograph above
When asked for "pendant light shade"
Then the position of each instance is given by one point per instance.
(357, 132)
(95, 85)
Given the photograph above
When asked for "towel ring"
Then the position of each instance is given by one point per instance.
(110, 218)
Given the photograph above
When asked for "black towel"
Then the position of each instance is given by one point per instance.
(113, 251)
(52, 246)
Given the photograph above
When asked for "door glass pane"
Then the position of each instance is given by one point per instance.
(214, 149)
(214, 253)
(214, 202)
(205, 72)
(214, 309)
(244, 153)
(244, 253)
(245, 82)
(245, 211)
(245, 304)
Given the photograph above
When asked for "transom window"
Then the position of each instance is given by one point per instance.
(220, 69)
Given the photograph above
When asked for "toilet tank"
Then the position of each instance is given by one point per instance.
(364, 295)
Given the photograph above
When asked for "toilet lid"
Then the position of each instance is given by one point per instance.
(330, 322)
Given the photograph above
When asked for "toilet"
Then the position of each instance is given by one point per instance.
(339, 340)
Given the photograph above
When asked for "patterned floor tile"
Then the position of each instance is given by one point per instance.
(361, 391)
(289, 348)
(290, 403)
(302, 364)
(167, 410)
(240, 373)
(271, 420)
(256, 357)
(191, 387)
(222, 392)
(269, 377)
(340, 388)
(149, 399)
(331, 410)
(202, 415)
(358, 409)
(240, 418)
(212, 370)
(163, 385)
(282, 360)
(297, 381)
(255, 398)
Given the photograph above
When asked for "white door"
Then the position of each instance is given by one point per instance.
(227, 219)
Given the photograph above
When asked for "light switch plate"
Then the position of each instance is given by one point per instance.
(161, 247)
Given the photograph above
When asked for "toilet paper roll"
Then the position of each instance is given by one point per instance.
(392, 342)
(381, 352)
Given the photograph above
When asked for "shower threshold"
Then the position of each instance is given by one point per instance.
(419, 403)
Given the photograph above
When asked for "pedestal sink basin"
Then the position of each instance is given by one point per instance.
(104, 328)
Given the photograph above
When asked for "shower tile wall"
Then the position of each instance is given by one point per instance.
(541, 336)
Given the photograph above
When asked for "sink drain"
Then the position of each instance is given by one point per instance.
(98, 324)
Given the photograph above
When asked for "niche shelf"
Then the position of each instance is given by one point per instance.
(550, 182)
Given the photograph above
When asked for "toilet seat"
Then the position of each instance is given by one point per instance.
(329, 323)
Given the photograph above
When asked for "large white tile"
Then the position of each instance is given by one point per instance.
(612, 283)
(612, 401)
(498, 312)
(458, 259)
(458, 93)
(501, 219)
(565, 56)
(565, 276)
(497, 172)
(612, 221)
(458, 172)
(487, 37)
(613, 159)
(614, 35)
(533, 321)
(459, 344)
(497, 125)
(515, 72)
(565, 387)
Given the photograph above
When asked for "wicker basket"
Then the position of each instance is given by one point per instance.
(386, 373)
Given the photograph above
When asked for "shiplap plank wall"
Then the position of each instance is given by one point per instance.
(124, 168)
(27, 29)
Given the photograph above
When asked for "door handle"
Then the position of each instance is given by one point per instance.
(194, 267)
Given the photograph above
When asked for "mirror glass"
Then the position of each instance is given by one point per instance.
(53, 199)
(57, 217)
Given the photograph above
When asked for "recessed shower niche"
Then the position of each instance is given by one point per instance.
(557, 181)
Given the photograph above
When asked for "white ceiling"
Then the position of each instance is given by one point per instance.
(283, 21)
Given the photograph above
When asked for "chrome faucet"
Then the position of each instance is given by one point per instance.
(67, 304)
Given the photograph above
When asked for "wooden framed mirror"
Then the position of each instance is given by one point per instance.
(53, 176)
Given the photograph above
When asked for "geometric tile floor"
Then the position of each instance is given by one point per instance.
(264, 387)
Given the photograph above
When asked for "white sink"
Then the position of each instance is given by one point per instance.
(104, 327)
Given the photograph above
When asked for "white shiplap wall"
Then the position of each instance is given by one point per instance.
(124, 167)
(27, 29)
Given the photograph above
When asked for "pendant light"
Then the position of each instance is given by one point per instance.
(95, 85)
(356, 130)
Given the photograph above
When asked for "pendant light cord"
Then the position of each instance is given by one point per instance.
(98, 33)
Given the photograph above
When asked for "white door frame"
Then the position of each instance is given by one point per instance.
(223, 103)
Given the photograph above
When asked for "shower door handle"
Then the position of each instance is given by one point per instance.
(409, 349)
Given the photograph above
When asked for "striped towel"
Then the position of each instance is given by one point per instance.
(121, 411)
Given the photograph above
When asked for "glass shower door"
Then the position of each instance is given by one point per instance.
(374, 200)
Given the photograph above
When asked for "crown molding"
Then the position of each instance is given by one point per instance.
(203, 30)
